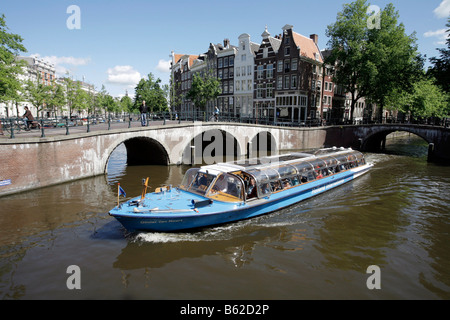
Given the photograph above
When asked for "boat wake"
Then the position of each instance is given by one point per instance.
(221, 233)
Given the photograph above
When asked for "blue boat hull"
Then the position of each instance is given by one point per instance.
(220, 212)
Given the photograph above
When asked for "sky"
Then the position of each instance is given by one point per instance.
(116, 43)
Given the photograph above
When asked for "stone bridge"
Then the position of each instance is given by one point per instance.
(29, 163)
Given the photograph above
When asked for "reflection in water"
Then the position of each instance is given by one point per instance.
(395, 217)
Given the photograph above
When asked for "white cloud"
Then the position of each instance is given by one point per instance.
(443, 10)
(61, 63)
(440, 34)
(123, 75)
(163, 65)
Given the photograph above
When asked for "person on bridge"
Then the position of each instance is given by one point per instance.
(143, 109)
(28, 118)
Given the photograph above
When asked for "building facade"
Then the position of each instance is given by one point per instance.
(265, 76)
(282, 80)
(36, 70)
(243, 76)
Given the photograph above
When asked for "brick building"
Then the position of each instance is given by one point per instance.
(282, 80)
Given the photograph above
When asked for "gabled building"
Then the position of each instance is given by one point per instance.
(181, 82)
(225, 74)
(243, 76)
(265, 76)
(298, 78)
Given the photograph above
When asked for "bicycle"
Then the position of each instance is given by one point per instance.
(13, 126)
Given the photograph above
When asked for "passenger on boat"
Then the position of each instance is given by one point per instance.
(286, 184)
(318, 174)
(276, 186)
(251, 189)
(265, 188)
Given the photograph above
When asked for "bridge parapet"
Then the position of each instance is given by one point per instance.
(35, 162)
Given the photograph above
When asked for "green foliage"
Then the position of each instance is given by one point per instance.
(10, 47)
(426, 99)
(372, 61)
(203, 90)
(151, 91)
(37, 93)
(441, 65)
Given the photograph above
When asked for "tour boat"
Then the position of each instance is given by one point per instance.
(226, 192)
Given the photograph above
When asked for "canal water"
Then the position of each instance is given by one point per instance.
(395, 221)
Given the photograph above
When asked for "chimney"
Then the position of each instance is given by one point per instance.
(226, 43)
(314, 38)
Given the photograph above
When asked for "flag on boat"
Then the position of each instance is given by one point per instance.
(121, 191)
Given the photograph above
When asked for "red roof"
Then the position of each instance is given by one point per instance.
(308, 47)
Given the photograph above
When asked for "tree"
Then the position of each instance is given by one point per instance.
(441, 65)
(56, 100)
(37, 93)
(203, 90)
(10, 47)
(150, 90)
(370, 60)
(70, 90)
(80, 98)
(126, 104)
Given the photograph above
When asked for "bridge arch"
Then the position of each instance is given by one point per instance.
(211, 145)
(376, 141)
(261, 144)
(141, 150)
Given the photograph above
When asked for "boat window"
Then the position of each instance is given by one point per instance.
(201, 182)
(262, 181)
(342, 162)
(271, 173)
(188, 178)
(351, 160)
(227, 187)
(360, 159)
(286, 171)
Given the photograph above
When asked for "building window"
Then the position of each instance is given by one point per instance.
(313, 84)
(294, 81)
(225, 62)
(286, 82)
(250, 85)
(243, 71)
(220, 74)
(269, 93)
(259, 91)
(249, 69)
(280, 82)
(238, 72)
(220, 62)
(231, 61)
(287, 51)
(225, 73)
(303, 101)
(260, 72)
(231, 72)
(294, 64)
(265, 52)
(243, 57)
(231, 89)
(287, 65)
(280, 66)
(269, 71)
(225, 87)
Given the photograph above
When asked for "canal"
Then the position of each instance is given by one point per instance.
(396, 218)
